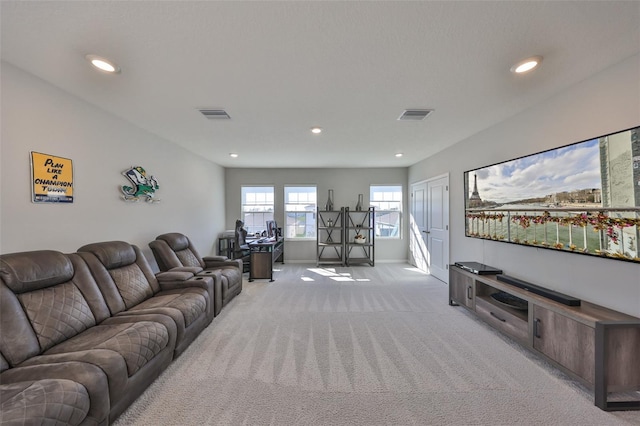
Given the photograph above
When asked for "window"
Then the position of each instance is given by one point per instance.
(257, 207)
(300, 212)
(387, 199)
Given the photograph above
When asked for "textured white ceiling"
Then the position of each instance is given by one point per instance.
(279, 68)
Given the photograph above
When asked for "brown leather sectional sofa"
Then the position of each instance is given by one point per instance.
(82, 335)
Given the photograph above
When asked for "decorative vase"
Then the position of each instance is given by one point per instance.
(329, 206)
(359, 205)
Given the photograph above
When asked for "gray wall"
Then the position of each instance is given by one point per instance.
(346, 185)
(37, 116)
(605, 103)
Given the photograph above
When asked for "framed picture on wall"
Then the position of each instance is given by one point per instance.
(51, 178)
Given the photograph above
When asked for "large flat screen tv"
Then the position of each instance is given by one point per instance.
(581, 198)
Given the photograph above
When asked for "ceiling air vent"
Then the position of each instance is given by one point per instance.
(415, 114)
(215, 114)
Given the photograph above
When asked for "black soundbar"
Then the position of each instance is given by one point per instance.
(541, 291)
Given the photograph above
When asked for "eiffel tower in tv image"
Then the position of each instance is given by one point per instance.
(475, 200)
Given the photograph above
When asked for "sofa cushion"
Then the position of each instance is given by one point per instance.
(187, 258)
(112, 254)
(23, 272)
(190, 305)
(47, 401)
(175, 240)
(132, 284)
(57, 313)
(177, 245)
(137, 342)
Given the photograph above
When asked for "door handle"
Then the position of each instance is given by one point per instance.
(497, 317)
(426, 232)
(536, 328)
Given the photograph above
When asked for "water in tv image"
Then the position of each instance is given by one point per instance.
(583, 197)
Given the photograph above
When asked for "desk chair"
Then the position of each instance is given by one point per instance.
(241, 248)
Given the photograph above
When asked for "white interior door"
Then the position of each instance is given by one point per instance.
(437, 229)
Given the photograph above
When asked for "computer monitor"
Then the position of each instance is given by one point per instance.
(272, 229)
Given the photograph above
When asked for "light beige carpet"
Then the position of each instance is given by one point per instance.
(359, 346)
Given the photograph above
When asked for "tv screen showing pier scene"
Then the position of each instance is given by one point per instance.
(581, 198)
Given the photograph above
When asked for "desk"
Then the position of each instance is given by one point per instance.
(263, 256)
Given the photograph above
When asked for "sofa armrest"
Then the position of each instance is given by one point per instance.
(215, 258)
(200, 281)
(88, 375)
(111, 364)
(173, 276)
(211, 282)
(211, 262)
(193, 269)
(197, 281)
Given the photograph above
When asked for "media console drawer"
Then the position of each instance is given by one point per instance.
(502, 319)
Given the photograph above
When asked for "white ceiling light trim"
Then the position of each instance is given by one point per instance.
(103, 64)
(526, 65)
(316, 130)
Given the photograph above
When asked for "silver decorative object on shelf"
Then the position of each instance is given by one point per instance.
(329, 206)
(359, 205)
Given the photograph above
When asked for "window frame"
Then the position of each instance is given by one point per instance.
(309, 228)
(373, 202)
(267, 214)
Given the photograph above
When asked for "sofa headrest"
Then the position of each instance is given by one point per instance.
(33, 270)
(175, 240)
(112, 254)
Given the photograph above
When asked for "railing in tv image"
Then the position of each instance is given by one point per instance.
(582, 198)
(604, 232)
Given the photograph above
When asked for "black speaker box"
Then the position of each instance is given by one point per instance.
(541, 291)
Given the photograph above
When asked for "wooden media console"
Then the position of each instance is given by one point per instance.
(598, 346)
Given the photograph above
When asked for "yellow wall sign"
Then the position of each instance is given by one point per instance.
(52, 178)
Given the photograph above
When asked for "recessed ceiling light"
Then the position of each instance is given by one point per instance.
(526, 64)
(103, 64)
(316, 130)
(399, 154)
(233, 155)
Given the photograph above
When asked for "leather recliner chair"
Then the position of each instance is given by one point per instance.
(175, 252)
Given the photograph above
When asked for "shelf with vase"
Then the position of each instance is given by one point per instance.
(359, 236)
(330, 237)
